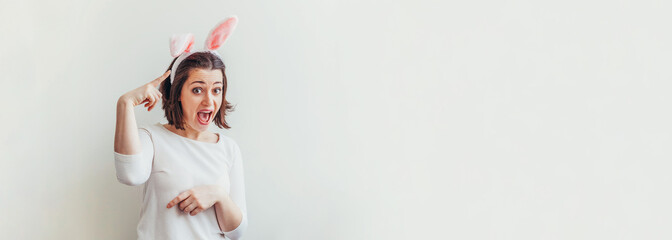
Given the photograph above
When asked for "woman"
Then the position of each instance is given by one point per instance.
(193, 178)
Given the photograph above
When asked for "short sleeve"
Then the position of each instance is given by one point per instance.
(135, 169)
(237, 193)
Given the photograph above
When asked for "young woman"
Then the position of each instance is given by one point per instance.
(193, 178)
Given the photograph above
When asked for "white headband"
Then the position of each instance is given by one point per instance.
(183, 56)
(180, 45)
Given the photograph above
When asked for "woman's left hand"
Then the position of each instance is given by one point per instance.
(198, 199)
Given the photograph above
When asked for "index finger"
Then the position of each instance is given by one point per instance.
(160, 79)
(178, 199)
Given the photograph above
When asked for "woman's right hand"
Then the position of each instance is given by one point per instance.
(146, 93)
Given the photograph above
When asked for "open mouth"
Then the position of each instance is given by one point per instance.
(204, 117)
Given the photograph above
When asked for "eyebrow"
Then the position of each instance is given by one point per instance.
(202, 82)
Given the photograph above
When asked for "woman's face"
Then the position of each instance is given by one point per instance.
(201, 97)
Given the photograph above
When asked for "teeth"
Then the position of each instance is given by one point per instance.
(203, 116)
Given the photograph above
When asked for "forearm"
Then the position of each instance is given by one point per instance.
(229, 216)
(126, 140)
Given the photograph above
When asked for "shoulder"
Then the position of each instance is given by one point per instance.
(230, 146)
(227, 141)
(156, 130)
(151, 128)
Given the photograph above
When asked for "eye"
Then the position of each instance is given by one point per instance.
(197, 90)
(217, 90)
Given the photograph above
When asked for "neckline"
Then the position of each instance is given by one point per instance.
(219, 137)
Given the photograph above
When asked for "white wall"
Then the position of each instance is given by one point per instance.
(358, 119)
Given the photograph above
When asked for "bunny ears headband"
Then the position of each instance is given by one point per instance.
(180, 45)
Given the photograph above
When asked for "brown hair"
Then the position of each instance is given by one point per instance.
(172, 107)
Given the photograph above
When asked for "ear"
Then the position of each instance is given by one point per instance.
(181, 43)
(220, 33)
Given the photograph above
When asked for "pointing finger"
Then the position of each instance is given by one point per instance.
(160, 79)
(178, 199)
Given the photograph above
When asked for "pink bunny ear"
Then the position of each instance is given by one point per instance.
(219, 34)
(181, 43)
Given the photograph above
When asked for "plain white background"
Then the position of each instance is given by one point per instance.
(358, 119)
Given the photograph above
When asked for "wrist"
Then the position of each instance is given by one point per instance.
(222, 197)
(124, 102)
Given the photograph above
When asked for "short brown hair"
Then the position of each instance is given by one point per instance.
(172, 107)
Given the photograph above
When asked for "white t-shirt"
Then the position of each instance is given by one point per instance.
(170, 164)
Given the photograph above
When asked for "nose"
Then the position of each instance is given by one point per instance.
(208, 100)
